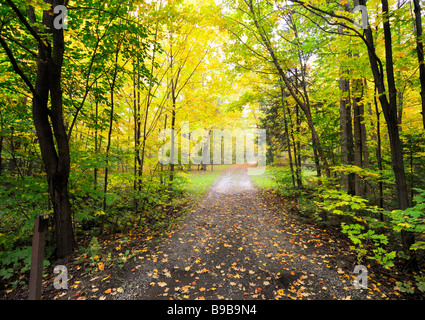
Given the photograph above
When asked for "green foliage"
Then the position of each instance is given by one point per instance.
(16, 261)
(405, 287)
(21, 201)
(412, 219)
(374, 242)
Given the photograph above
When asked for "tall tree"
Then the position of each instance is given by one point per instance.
(387, 98)
(48, 122)
(420, 53)
(346, 127)
(263, 32)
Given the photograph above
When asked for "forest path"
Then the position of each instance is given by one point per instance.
(233, 246)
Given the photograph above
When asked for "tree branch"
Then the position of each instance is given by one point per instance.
(17, 69)
(25, 23)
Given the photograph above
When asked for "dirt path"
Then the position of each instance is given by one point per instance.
(233, 246)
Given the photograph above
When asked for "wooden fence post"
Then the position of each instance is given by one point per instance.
(41, 224)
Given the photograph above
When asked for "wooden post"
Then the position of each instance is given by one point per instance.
(37, 254)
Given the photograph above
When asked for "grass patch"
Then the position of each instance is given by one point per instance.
(201, 180)
(265, 181)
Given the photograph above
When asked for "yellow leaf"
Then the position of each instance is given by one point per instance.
(99, 213)
(107, 277)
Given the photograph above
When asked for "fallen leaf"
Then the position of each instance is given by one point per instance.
(107, 277)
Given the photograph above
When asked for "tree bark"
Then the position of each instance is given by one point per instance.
(108, 146)
(346, 126)
(420, 53)
(346, 137)
(389, 108)
(361, 157)
(288, 141)
(296, 145)
(56, 162)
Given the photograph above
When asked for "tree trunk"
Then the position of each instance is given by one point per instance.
(420, 53)
(297, 149)
(49, 123)
(347, 142)
(379, 156)
(1, 141)
(389, 108)
(346, 127)
(136, 112)
(359, 135)
(57, 162)
(173, 112)
(288, 142)
(173, 142)
(95, 141)
(108, 146)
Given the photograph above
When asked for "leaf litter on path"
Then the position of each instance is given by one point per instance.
(239, 244)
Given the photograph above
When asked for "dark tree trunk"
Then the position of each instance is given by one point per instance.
(288, 141)
(420, 53)
(389, 108)
(108, 145)
(361, 157)
(346, 126)
(49, 123)
(57, 162)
